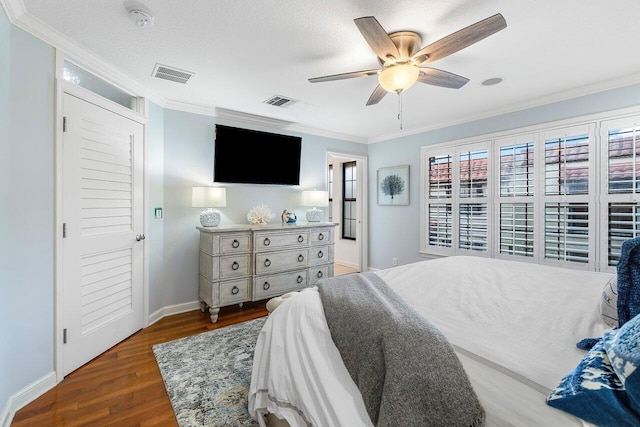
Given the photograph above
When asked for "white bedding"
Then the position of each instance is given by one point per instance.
(514, 326)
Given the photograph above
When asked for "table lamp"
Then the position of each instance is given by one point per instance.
(315, 198)
(209, 197)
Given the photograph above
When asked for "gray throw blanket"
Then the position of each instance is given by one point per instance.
(405, 369)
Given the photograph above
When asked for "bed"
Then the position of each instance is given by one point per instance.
(512, 325)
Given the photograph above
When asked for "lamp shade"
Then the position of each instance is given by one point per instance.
(208, 197)
(397, 78)
(315, 198)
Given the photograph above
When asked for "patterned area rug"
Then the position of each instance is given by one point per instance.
(207, 376)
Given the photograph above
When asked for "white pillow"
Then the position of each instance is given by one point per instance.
(609, 301)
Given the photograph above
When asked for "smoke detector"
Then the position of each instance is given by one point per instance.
(139, 14)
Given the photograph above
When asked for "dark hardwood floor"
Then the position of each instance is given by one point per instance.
(123, 386)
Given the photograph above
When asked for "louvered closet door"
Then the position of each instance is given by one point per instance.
(102, 210)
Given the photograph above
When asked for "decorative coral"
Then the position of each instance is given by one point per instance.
(260, 214)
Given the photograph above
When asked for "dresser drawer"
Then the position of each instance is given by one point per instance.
(231, 243)
(234, 291)
(209, 266)
(216, 294)
(277, 284)
(320, 255)
(271, 241)
(235, 265)
(318, 272)
(271, 262)
(321, 235)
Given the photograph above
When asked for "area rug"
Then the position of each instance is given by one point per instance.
(207, 376)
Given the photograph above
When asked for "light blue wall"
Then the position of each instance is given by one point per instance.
(395, 230)
(155, 237)
(188, 161)
(27, 209)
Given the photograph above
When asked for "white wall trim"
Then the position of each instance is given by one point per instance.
(13, 8)
(173, 309)
(532, 103)
(26, 396)
(345, 263)
(362, 198)
(255, 120)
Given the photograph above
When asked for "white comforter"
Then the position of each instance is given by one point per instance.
(514, 326)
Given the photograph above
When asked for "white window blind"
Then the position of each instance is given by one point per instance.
(567, 165)
(516, 229)
(440, 226)
(516, 170)
(566, 232)
(563, 195)
(473, 173)
(440, 174)
(624, 160)
(473, 226)
(623, 224)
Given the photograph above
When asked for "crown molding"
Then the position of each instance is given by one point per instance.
(13, 8)
(255, 120)
(538, 102)
(19, 17)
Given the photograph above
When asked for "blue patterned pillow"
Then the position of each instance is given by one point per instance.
(628, 272)
(623, 349)
(609, 303)
(593, 392)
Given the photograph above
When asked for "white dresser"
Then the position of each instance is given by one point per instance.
(240, 263)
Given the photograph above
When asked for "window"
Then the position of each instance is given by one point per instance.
(621, 155)
(330, 179)
(349, 187)
(473, 208)
(534, 196)
(80, 77)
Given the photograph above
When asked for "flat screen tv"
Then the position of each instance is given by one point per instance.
(244, 156)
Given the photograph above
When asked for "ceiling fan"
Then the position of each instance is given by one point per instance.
(403, 60)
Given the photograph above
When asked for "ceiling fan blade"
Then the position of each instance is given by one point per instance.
(433, 76)
(344, 76)
(377, 37)
(462, 38)
(377, 95)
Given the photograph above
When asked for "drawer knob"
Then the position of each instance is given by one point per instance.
(319, 274)
(299, 279)
(266, 286)
(267, 242)
(300, 258)
(235, 243)
(235, 290)
(320, 254)
(267, 262)
(300, 239)
(320, 236)
(235, 265)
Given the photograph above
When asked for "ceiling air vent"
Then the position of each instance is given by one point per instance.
(280, 101)
(173, 74)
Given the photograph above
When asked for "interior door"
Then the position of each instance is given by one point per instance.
(102, 245)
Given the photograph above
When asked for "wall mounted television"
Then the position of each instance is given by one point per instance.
(243, 156)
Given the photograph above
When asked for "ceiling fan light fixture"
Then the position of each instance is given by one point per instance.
(399, 77)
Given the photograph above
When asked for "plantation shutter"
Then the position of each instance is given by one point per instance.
(473, 217)
(439, 218)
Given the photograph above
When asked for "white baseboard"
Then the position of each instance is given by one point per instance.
(173, 309)
(347, 264)
(26, 396)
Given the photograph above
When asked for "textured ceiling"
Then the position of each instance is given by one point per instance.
(244, 52)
